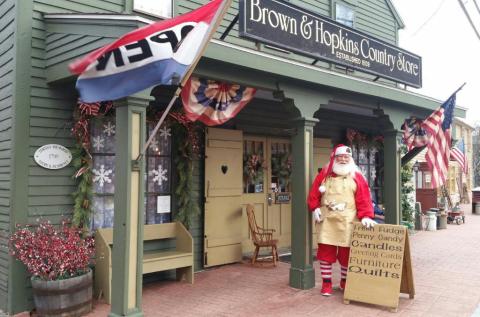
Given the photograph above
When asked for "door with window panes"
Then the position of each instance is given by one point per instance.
(158, 173)
(267, 166)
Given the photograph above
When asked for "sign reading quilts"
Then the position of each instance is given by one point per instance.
(379, 266)
(214, 102)
(298, 30)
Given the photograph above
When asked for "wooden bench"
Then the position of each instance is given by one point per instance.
(180, 258)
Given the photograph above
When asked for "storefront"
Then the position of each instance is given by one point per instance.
(267, 155)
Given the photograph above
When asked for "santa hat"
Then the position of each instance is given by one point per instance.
(339, 149)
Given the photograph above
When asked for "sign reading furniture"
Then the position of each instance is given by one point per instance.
(293, 28)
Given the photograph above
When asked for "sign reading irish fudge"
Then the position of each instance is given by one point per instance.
(379, 266)
(290, 27)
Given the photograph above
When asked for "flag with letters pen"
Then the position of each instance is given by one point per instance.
(438, 127)
(164, 52)
(457, 153)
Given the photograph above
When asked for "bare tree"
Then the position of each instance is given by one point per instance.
(476, 155)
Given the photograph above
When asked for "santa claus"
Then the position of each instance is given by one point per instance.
(338, 197)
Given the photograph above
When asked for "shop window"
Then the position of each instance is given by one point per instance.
(344, 14)
(253, 166)
(158, 174)
(370, 161)
(281, 162)
(158, 8)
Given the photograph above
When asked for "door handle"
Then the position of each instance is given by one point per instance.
(269, 199)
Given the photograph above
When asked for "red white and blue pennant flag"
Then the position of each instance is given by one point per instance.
(214, 102)
(457, 153)
(160, 53)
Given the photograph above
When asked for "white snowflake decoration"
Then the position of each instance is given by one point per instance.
(154, 145)
(98, 142)
(102, 175)
(165, 132)
(109, 129)
(159, 175)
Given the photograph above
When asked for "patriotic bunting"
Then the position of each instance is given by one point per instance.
(213, 102)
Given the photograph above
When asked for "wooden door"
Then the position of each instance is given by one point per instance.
(279, 190)
(223, 191)
(255, 167)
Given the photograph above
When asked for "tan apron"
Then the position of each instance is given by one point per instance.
(336, 226)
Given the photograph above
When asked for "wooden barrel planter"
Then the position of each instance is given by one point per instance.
(69, 297)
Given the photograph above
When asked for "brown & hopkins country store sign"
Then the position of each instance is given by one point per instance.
(293, 28)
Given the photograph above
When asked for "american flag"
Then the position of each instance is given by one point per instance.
(457, 153)
(438, 126)
(413, 134)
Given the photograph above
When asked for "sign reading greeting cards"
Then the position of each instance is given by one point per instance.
(379, 266)
(52, 156)
(293, 28)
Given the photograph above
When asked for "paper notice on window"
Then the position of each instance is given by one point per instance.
(163, 204)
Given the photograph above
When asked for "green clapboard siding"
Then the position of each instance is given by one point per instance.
(373, 17)
(7, 55)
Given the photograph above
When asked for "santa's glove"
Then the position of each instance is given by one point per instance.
(316, 214)
(369, 223)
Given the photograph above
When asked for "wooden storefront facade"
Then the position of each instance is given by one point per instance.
(302, 108)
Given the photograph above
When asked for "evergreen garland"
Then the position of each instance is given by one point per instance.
(83, 195)
(186, 152)
(82, 159)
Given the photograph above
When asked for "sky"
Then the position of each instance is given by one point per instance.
(439, 32)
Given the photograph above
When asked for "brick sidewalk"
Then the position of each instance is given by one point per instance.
(447, 283)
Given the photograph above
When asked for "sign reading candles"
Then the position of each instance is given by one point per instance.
(379, 266)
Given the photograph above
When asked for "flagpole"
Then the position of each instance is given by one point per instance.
(216, 20)
(159, 123)
(460, 88)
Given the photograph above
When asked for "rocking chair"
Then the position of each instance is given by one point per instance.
(261, 237)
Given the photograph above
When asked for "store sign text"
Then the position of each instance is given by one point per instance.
(290, 27)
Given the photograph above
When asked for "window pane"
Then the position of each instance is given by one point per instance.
(161, 144)
(344, 14)
(102, 212)
(102, 135)
(253, 166)
(362, 155)
(159, 8)
(281, 162)
(103, 174)
(151, 212)
(158, 174)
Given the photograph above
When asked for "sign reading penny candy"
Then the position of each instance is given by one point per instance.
(379, 266)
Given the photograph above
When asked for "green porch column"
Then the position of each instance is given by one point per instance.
(302, 274)
(127, 251)
(392, 180)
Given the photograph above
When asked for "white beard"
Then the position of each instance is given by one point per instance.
(344, 169)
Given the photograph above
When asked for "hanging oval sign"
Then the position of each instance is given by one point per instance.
(53, 156)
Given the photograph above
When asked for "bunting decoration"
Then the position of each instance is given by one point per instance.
(413, 133)
(214, 102)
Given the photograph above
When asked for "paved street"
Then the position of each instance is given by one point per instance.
(445, 266)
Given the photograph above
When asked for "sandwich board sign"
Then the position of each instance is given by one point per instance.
(379, 266)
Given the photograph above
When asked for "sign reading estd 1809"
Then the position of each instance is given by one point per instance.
(293, 28)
